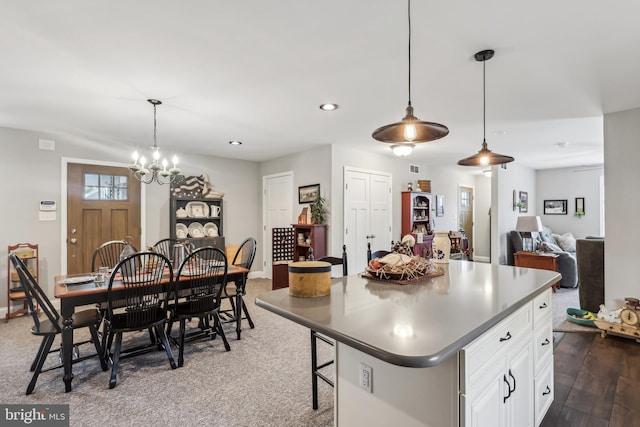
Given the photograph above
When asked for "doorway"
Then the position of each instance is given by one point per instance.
(277, 211)
(367, 214)
(100, 202)
(465, 214)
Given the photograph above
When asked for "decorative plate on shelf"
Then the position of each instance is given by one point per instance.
(196, 229)
(181, 213)
(181, 231)
(197, 210)
(210, 229)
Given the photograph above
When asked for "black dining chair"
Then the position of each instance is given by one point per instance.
(136, 300)
(196, 291)
(53, 325)
(315, 336)
(108, 254)
(243, 257)
(376, 254)
(165, 247)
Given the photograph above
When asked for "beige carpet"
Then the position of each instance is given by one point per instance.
(264, 380)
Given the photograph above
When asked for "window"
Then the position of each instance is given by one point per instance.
(105, 187)
(465, 199)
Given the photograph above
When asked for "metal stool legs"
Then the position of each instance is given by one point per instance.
(315, 368)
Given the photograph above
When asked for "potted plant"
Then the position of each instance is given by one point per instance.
(319, 210)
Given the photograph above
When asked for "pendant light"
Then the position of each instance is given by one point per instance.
(410, 130)
(485, 157)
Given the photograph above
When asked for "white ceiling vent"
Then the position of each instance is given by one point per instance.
(414, 169)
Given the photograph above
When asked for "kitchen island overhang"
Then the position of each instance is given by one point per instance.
(438, 316)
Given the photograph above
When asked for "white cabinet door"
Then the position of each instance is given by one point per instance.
(484, 407)
(519, 400)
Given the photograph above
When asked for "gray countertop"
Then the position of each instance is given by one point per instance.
(417, 325)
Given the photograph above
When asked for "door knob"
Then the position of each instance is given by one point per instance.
(74, 231)
(73, 241)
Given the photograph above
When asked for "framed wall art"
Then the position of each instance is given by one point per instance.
(523, 204)
(555, 207)
(308, 193)
(579, 206)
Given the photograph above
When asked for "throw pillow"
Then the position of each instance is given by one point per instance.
(549, 247)
(546, 236)
(567, 242)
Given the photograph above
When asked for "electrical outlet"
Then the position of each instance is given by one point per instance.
(366, 378)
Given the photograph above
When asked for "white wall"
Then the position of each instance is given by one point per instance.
(309, 167)
(569, 183)
(621, 153)
(503, 216)
(31, 175)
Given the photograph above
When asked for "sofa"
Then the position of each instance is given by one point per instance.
(547, 241)
(590, 257)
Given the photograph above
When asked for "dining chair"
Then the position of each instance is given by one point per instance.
(53, 325)
(243, 257)
(108, 254)
(315, 336)
(205, 272)
(376, 254)
(165, 247)
(136, 300)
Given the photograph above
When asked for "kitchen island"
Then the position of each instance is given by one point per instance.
(458, 349)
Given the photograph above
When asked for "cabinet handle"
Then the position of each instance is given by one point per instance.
(504, 399)
(544, 305)
(514, 383)
(546, 342)
(506, 337)
(547, 391)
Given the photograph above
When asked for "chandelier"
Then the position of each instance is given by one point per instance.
(156, 170)
(485, 157)
(410, 130)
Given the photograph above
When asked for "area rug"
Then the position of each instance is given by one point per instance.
(565, 298)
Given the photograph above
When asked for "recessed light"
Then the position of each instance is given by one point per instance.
(500, 132)
(562, 144)
(235, 142)
(328, 107)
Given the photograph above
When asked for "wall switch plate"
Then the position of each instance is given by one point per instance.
(366, 378)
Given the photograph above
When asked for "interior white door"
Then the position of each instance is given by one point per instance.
(277, 204)
(367, 214)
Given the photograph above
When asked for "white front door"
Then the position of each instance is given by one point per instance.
(367, 214)
(277, 191)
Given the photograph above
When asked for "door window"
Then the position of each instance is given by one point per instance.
(105, 187)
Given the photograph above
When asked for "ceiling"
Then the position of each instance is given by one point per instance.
(256, 71)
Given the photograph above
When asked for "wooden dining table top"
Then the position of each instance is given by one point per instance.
(63, 290)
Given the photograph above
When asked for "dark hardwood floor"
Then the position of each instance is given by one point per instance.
(597, 382)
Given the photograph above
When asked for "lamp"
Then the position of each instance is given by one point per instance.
(527, 225)
(157, 171)
(410, 129)
(485, 157)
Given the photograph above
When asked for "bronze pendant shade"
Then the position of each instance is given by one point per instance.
(485, 157)
(410, 129)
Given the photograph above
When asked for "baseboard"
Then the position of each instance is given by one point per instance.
(481, 259)
(257, 275)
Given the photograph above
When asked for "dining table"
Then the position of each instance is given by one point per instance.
(76, 290)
